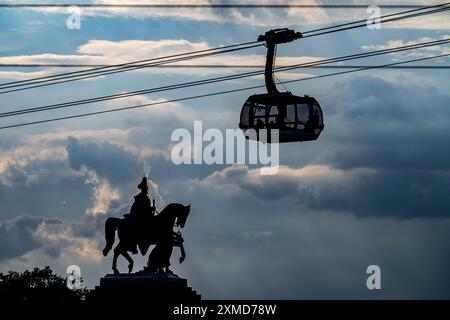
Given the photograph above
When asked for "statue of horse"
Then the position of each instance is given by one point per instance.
(149, 230)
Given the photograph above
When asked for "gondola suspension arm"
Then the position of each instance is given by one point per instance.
(272, 38)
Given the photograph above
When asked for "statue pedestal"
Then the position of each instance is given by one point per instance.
(144, 286)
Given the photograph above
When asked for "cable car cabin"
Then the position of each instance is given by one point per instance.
(296, 118)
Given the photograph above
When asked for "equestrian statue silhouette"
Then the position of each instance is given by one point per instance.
(142, 228)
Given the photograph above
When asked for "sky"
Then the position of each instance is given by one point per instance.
(373, 189)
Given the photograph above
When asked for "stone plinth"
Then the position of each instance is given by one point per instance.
(143, 286)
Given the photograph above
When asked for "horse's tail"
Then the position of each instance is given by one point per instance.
(111, 226)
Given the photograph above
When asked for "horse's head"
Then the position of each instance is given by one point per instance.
(182, 216)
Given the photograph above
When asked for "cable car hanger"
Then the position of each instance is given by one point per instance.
(272, 38)
(296, 118)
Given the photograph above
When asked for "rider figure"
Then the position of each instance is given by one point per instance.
(140, 210)
(141, 206)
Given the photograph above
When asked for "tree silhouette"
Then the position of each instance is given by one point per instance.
(37, 285)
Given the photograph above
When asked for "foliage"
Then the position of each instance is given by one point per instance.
(37, 285)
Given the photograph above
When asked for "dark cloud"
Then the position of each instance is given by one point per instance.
(17, 236)
(364, 98)
(109, 161)
(363, 192)
(43, 188)
(246, 249)
(375, 123)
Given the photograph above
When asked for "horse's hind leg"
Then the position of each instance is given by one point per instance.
(130, 261)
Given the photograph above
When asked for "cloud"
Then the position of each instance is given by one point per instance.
(20, 75)
(105, 52)
(261, 17)
(311, 255)
(60, 175)
(412, 54)
(23, 235)
(310, 252)
(72, 184)
(189, 14)
(43, 188)
(19, 235)
(107, 160)
(362, 191)
(397, 124)
(48, 58)
(398, 102)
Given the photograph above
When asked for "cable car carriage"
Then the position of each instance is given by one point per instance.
(296, 118)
